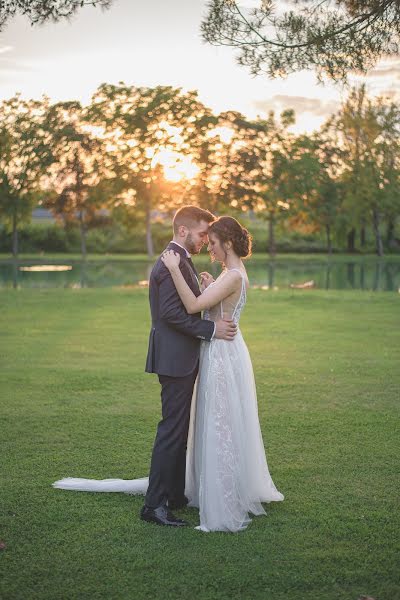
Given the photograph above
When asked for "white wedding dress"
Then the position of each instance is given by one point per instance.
(227, 475)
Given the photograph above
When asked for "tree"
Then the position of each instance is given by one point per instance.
(215, 156)
(331, 36)
(258, 171)
(40, 11)
(368, 132)
(314, 184)
(24, 158)
(144, 126)
(76, 182)
(389, 157)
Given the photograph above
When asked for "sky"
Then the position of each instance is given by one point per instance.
(158, 43)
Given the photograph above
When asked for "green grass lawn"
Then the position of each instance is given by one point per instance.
(75, 401)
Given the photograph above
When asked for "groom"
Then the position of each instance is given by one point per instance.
(173, 354)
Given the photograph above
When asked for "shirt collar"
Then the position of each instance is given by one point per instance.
(180, 245)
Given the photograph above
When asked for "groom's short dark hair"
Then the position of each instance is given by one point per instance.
(191, 216)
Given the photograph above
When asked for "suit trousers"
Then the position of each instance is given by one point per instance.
(168, 461)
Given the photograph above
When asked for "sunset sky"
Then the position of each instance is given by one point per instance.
(157, 43)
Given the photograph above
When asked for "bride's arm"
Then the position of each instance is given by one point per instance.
(193, 304)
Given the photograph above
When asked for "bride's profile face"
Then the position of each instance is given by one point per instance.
(215, 248)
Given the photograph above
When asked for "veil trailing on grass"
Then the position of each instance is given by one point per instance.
(127, 486)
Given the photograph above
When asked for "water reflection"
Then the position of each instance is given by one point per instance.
(84, 281)
(378, 275)
(328, 276)
(46, 268)
(350, 275)
(271, 274)
(362, 277)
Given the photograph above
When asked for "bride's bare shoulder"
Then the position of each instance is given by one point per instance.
(233, 276)
(239, 275)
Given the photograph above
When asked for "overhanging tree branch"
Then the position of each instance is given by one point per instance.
(332, 37)
(48, 10)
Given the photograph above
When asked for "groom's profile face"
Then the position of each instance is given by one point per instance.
(196, 238)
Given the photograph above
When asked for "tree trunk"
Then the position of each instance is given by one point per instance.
(351, 239)
(14, 235)
(149, 238)
(82, 230)
(271, 235)
(328, 239)
(377, 233)
(390, 232)
(79, 171)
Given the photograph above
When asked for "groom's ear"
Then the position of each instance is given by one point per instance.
(182, 230)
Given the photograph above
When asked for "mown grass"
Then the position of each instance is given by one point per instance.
(76, 402)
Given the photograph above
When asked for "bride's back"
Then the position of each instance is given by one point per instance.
(231, 306)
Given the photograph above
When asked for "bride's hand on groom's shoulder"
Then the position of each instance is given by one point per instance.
(171, 259)
(205, 280)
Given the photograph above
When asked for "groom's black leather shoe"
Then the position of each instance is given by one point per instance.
(177, 504)
(161, 516)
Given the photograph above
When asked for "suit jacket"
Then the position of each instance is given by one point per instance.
(174, 342)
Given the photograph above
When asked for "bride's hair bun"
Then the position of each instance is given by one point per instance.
(228, 229)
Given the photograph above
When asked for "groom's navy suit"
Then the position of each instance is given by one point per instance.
(173, 354)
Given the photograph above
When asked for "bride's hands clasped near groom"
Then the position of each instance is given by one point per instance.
(205, 280)
(171, 259)
(225, 329)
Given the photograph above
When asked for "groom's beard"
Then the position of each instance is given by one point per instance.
(191, 246)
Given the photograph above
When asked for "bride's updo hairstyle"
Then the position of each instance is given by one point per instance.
(227, 229)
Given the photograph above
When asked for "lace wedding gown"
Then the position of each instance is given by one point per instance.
(227, 475)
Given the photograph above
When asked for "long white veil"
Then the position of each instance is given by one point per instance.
(127, 486)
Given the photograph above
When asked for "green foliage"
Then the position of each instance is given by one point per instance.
(142, 124)
(118, 239)
(77, 183)
(368, 133)
(107, 164)
(24, 159)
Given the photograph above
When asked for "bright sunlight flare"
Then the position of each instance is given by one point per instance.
(176, 166)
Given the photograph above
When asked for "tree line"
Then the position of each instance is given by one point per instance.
(137, 151)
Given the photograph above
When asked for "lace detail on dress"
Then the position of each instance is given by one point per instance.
(226, 457)
(225, 450)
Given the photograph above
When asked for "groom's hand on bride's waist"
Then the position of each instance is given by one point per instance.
(225, 329)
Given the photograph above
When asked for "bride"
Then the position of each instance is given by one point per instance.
(227, 475)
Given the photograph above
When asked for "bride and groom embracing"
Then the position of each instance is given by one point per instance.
(208, 452)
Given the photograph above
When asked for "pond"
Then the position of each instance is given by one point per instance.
(370, 274)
